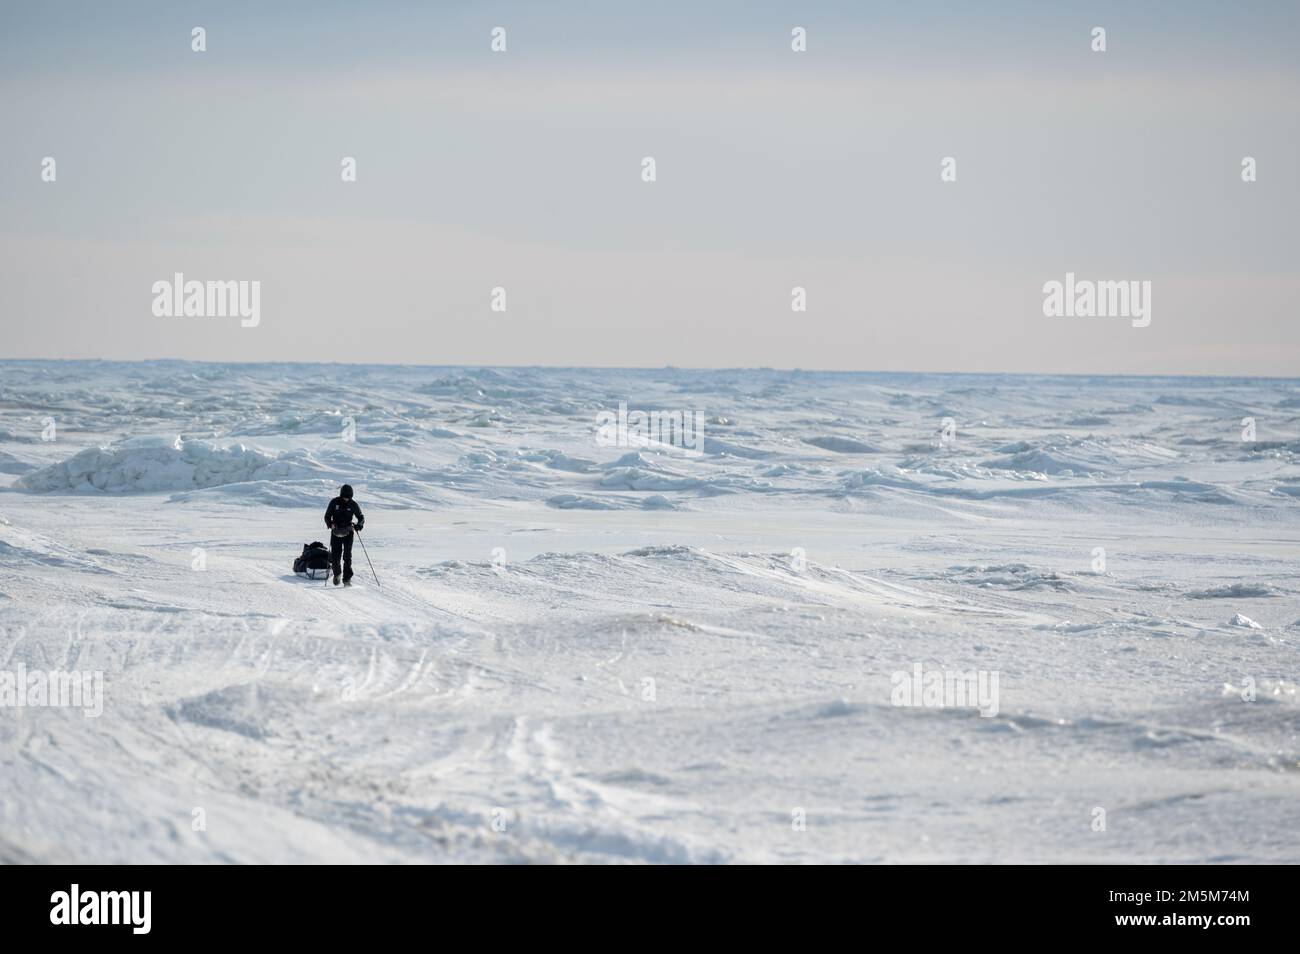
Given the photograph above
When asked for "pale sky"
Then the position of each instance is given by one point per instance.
(775, 169)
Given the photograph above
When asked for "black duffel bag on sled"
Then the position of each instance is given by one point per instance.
(314, 563)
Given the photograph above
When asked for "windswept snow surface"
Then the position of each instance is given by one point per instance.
(614, 652)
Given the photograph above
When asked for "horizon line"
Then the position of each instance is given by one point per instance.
(661, 367)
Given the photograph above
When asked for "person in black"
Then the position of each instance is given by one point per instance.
(338, 517)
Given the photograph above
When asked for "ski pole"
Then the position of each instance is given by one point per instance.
(372, 566)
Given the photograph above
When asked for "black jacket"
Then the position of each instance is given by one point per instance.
(343, 512)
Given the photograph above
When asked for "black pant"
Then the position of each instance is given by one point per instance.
(343, 544)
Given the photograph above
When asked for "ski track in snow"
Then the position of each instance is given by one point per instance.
(600, 654)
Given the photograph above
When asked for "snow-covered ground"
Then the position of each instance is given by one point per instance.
(590, 652)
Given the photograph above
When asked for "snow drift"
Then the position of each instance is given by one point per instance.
(636, 657)
(151, 464)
